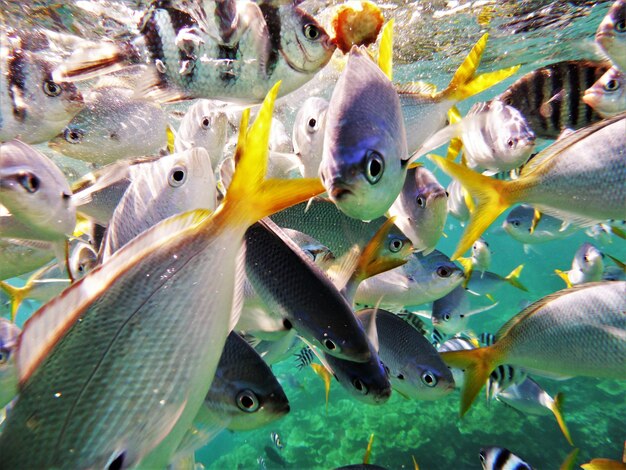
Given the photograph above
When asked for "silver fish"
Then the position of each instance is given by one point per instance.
(233, 51)
(587, 266)
(608, 95)
(521, 224)
(487, 283)
(421, 209)
(308, 134)
(365, 156)
(33, 107)
(452, 312)
(499, 458)
(457, 207)
(611, 34)
(9, 334)
(414, 367)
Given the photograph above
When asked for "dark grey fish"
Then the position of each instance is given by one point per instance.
(292, 286)
(551, 97)
(273, 455)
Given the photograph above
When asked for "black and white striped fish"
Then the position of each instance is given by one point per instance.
(276, 440)
(486, 339)
(551, 97)
(229, 50)
(503, 377)
(499, 458)
(304, 357)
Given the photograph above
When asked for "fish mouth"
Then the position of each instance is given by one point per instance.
(603, 35)
(339, 191)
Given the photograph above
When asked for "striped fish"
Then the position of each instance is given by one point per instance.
(503, 377)
(304, 357)
(486, 339)
(499, 458)
(551, 97)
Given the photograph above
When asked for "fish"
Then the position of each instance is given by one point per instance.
(587, 266)
(33, 107)
(364, 157)
(421, 209)
(495, 137)
(205, 124)
(112, 126)
(607, 96)
(457, 205)
(9, 334)
(298, 292)
(572, 332)
(273, 455)
(503, 377)
(37, 196)
(549, 183)
(304, 357)
(276, 440)
(316, 251)
(529, 398)
(487, 283)
(529, 226)
(308, 134)
(480, 259)
(499, 458)
(457, 343)
(151, 274)
(611, 33)
(414, 367)
(425, 109)
(451, 313)
(261, 462)
(422, 279)
(170, 185)
(551, 98)
(23, 256)
(231, 51)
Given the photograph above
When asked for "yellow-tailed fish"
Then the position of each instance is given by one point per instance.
(425, 109)
(573, 332)
(499, 458)
(565, 172)
(169, 295)
(587, 266)
(523, 225)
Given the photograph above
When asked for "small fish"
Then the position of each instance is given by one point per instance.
(529, 398)
(499, 458)
(457, 201)
(112, 126)
(551, 98)
(596, 182)
(422, 279)
(503, 377)
(273, 455)
(488, 283)
(33, 107)
(415, 369)
(451, 313)
(261, 462)
(233, 51)
(480, 259)
(523, 225)
(276, 440)
(9, 334)
(421, 209)
(486, 339)
(573, 332)
(304, 357)
(365, 157)
(308, 134)
(587, 266)
(611, 34)
(608, 95)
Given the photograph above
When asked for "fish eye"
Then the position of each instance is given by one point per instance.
(515, 223)
(73, 136)
(446, 317)
(206, 122)
(51, 88)
(311, 32)
(421, 202)
(511, 143)
(443, 271)
(329, 344)
(177, 176)
(429, 379)
(400, 376)
(29, 182)
(611, 85)
(395, 245)
(360, 386)
(312, 125)
(374, 166)
(247, 401)
(4, 355)
(620, 26)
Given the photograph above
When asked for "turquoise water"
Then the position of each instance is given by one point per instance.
(430, 43)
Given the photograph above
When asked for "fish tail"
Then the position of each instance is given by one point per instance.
(513, 278)
(557, 409)
(477, 365)
(563, 275)
(17, 296)
(250, 197)
(368, 450)
(493, 197)
(90, 62)
(465, 83)
(385, 52)
(325, 375)
(371, 262)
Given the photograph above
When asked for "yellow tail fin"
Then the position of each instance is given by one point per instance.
(513, 278)
(368, 451)
(250, 197)
(325, 375)
(477, 365)
(570, 460)
(464, 83)
(372, 262)
(557, 409)
(385, 53)
(456, 144)
(493, 198)
(17, 296)
(563, 275)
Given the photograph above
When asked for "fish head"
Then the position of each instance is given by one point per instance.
(398, 247)
(308, 134)
(611, 34)
(434, 274)
(448, 313)
(590, 261)
(364, 157)
(304, 44)
(494, 458)
(481, 253)
(427, 381)
(83, 258)
(513, 139)
(457, 207)
(608, 95)
(518, 223)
